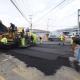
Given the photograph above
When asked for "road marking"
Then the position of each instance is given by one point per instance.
(2, 78)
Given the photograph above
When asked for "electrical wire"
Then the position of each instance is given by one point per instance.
(46, 14)
(19, 10)
(53, 8)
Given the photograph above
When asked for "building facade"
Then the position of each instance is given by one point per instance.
(41, 33)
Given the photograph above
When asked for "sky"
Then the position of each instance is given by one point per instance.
(44, 14)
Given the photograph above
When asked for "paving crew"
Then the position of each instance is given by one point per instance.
(23, 41)
(75, 60)
(12, 30)
(77, 49)
(62, 38)
(34, 40)
(73, 38)
(4, 40)
(40, 39)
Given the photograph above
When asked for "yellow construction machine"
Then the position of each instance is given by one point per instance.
(12, 35)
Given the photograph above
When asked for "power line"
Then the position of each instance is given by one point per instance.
(19, 10)
(53, 8)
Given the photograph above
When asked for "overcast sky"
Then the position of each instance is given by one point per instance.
(43, 13)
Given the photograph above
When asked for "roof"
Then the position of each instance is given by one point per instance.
(68, 29)
(40, 31)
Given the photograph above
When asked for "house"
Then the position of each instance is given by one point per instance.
(41, 33)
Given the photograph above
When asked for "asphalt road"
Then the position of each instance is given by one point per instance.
(46, 57)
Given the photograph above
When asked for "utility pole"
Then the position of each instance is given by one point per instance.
(47, 25)
(30, 17)
(79, 22)
(47, 28)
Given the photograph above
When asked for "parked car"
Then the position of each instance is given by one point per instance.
(53, 38)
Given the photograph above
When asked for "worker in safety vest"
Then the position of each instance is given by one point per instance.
(62, 38)
(40, 39)
(23, 40)
(73, 38)
(4, 40)
(34, 38)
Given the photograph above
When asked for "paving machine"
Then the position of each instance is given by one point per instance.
(14, 38)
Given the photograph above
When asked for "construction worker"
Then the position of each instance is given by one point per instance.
(23, 40)
(75, 60)
(73, 38)
(4, 40)
(34, 38)
(12, 30)
(12, 27)
(62, 38)
(77, 49)
(40, 39)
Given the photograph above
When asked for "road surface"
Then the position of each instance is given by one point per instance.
(44, 62)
